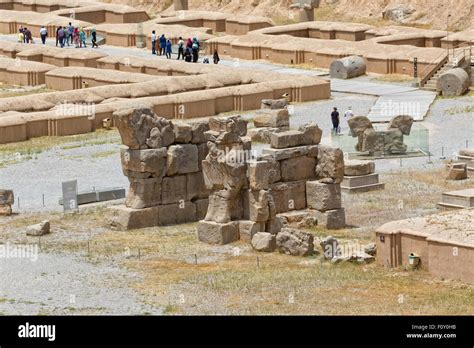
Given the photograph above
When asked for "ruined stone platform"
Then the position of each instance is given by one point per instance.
(460, 199)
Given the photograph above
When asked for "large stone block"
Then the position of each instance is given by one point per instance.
(295, 242)
(312, 133)
(196, 188)
(274, 225)
(274, 171)
(358, 167)
(5, 210)
(263, 241)
(222, 205)
(231, 124)
(218, 233)
(289, 195)
(282, 154)
(259, 204)
(272, 118)
(219, 174)
(173, 189)
(7, 197)
(149, 161)
(283, 140)
(183, 132)
(258, 174)
(298, 168)
(144, 193)
(182, 159)
(176, 213)
(321, 196)
(332, 219)
(247, 229)
(124, 218)
(201, 208)
(202, 153)
(199, 128)
(141, 128)
(330, 166)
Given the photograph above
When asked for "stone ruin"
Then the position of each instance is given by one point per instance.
(305, 9)
(7, 199)
(388, 142)
(347, 67)
(273, 117)
(206, 171)
(360, 176)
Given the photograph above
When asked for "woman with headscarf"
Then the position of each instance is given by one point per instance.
(75, 37)
(94, 38)
(82, 36)
(195, 48)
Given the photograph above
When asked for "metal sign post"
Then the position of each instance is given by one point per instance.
(70, 196)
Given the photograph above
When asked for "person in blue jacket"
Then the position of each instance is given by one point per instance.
(162, 45)
(168, 49)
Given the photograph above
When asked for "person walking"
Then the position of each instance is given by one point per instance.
(57, 36)
(70, 30)
(82, 38)
(28, 36)
(180, 48)
(188, 55)
(153, 42)
(75, 37)
(94, 38)
(347, 116)
(61, 36)
(195, 48)
(169, 48)
(335, 121)
(21, 36)
(43, 34)
(162, 45)
(215, 57)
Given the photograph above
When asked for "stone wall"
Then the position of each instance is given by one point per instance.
(207, 171)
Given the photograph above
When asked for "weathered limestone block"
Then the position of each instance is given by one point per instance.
(218, 233)
(198, 130)
(295, 242)
(5, 210)
(263, 241)
(275, 104)
(348, 67)
(462, 152)
(173, 189)
(201, 208)
(330, 166)
(272, 118)
(321, 196)
(283, 140)
(299, 218)
(258, 174)
(274, 225)
(298, 168)
(232, 124)
(183, 132)
(40, 229)
(264, 134)
(457, 171)
(182, 159)
(202, 153)
(282, 154)
(331, 219)
(181, 5)
(124, 218)
(224, 174)
(358, 125)
(289, 195)
(141, 128)
(312, 133)
(144, 193)
(274, 171)
(330, 247)
(176, 213)
(196, 188)
(149, 161)
(247, 229)
(259, 205)
(222, 205)
(6, 197)
(403, 123)
(358, 167)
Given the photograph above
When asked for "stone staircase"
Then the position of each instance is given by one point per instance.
(432, 82)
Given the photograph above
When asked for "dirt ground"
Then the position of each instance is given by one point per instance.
(175, 273)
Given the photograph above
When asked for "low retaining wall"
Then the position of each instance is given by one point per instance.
(16, 72)
(428, 237)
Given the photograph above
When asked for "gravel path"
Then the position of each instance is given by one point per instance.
(64, 284)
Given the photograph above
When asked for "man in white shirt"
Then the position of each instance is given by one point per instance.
(43, 34)
(347, 116)
(153, 42)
